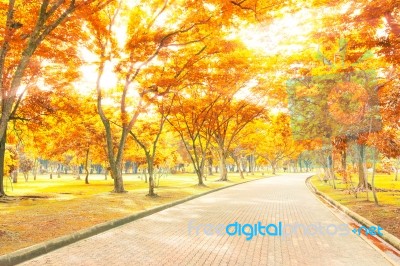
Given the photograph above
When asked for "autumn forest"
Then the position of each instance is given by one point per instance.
(208, 87)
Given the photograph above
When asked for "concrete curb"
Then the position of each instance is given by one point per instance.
(389, 238)
(31, 252)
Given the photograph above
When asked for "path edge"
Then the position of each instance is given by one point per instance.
(386, 236)
(42, 248)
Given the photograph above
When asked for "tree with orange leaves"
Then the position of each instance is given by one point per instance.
(35, 36)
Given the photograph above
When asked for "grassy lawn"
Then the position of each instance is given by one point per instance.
(48, 208)
(387, 215)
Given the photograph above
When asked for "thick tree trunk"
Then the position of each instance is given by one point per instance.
(150, 167)
(151, 184)
(222, 164)
(116, 161)
(14, 175)
(116, 175)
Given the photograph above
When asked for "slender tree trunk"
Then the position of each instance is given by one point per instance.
(375, 155)
(86, 167)
(2, 157)
(76, 170)
(344, 166)
(330, 170)
(35, 165)
(237, 161)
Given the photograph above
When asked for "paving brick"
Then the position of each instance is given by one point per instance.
(163, 238)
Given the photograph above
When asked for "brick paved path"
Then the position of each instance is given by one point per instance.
(163, 238)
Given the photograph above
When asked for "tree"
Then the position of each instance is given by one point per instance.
(276, 142)
(190, 119)
(148, 133)
(156, 37)
(25, 165)
(29, 31)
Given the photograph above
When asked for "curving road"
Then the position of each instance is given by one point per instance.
(193, 233)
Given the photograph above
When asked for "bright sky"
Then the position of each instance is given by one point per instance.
(285, 35)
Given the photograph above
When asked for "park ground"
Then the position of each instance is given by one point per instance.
(387, 214)
(46, 208)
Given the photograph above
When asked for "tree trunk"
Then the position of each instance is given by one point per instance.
(14, 175)
(116, 174)
(114, 160)
(210, 166)
(251, 162)
(222, 165)
(344, 166)
(106, 171)
(330, 170)
(273, 165)
(373, 178)
(362, 180)
(86, 167)
(237, 161)
(151, 185)
(2, 157)
(150, 167)
(202, 172)
(59, 169)
(35, 165)
(362, 173)
(300, 163)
